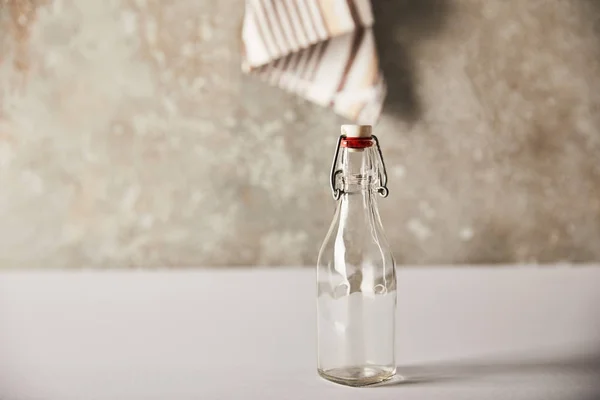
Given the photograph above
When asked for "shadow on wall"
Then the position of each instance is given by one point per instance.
(591, 9)
(399, 24)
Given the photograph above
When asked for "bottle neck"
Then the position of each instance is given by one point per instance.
(359, 225)
(357, 205)
(358, 173)
(358, 166)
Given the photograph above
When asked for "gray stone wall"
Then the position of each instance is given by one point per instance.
(129, 137)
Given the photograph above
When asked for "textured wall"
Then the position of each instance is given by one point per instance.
(128, 136)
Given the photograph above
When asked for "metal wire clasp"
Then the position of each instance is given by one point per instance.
(382, 189)
(337, 193)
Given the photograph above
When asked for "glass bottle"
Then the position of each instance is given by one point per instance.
(356, 292)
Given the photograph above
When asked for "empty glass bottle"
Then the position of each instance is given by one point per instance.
(356, 277)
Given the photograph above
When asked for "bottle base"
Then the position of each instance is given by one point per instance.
(358, 376)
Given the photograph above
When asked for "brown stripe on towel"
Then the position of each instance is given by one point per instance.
(284, 26)
(292, 25)
(296, 11)
(359, 34)
(321, 52)
(275, 71)
(303, 68)
(259, 10)
(355, 14)
(271, 27)
(291, 74)
(307, 20)
(283, 69)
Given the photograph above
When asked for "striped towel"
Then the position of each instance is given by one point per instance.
(323, 50)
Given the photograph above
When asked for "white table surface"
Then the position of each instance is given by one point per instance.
(463, 333)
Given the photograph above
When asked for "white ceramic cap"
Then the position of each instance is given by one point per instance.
(356, 131)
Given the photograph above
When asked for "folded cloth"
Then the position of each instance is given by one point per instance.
(323, 50)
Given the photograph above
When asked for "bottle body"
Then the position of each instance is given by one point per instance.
(356, 293)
